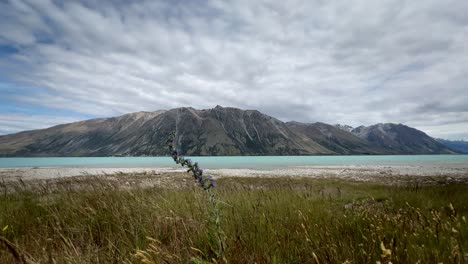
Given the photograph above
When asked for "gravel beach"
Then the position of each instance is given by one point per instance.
(384, 174)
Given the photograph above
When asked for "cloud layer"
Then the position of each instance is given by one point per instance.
(353, 62)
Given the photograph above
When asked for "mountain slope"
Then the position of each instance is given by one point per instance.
(398, 138)
(95, 137)
(336, 139)
(459, 145)
(231, 131)
(217, 131)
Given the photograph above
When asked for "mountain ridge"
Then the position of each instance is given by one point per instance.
(216, 131)
(459, 145)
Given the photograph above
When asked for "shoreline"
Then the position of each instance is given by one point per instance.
(358, 173)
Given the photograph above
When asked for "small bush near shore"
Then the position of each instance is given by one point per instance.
(265, 220)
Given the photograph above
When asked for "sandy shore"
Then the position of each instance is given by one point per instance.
(356, 173)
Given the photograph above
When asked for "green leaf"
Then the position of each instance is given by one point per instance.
(5, 228)
(195, 260)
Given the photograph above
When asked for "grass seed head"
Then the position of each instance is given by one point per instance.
(385, 251)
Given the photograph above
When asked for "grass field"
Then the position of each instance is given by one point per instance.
(264, 220)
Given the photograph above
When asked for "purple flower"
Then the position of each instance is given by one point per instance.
(205, 182)
(211, 181)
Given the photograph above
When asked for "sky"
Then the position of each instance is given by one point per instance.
(351, 62)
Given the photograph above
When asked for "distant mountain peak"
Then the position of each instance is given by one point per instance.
(400, 138)
(344, 127)
(458, 145)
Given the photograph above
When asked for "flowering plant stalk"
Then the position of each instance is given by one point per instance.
(207, 182)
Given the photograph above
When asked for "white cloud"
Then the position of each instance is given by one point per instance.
(13, 122)
(355, 62)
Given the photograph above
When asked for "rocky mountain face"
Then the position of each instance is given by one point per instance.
(217, 131)
(459, 145)
(398, 138)
(231, 131)
(336, 139)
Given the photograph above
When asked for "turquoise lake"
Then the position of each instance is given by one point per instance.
(254, 162)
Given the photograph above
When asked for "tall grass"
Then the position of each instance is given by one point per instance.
(207, 183)
(265, 220)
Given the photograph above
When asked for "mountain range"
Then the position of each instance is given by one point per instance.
(217, 131)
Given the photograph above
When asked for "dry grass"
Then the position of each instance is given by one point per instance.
(274, 220)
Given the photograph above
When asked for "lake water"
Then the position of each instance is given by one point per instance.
(253, 162)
